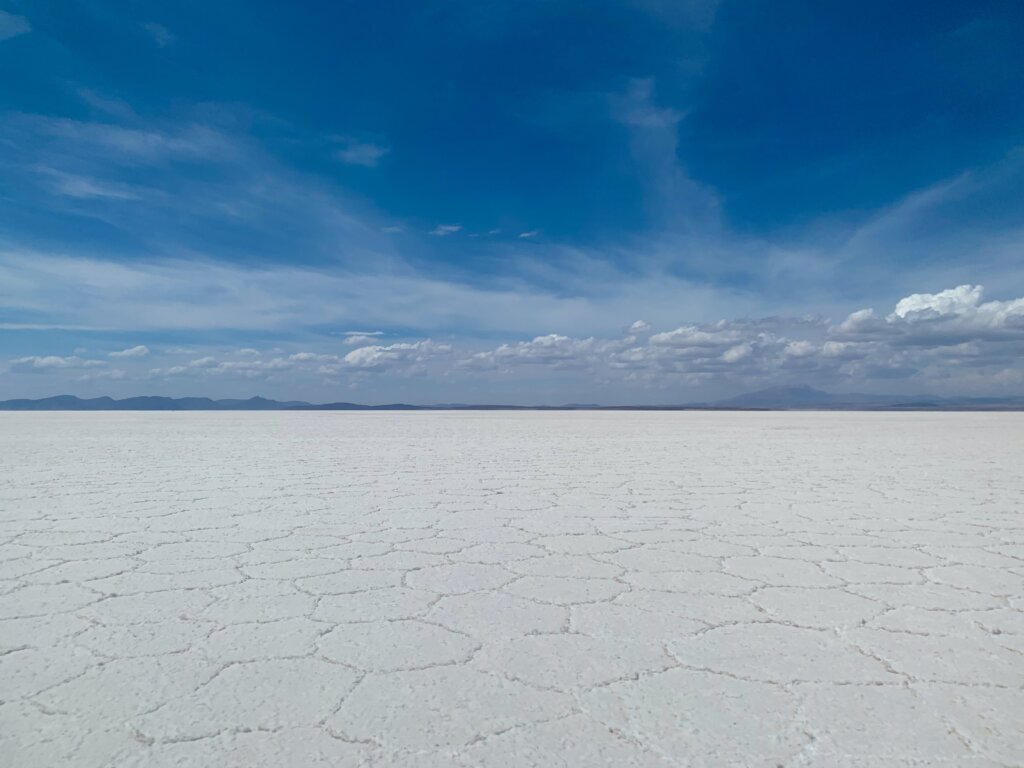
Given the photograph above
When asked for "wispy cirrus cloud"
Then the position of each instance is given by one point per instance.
(132, 143)
(160, 34)
(443, 230)
(12, 25)
(140, 350)
(44, 363)
(355, 338)
(366, 154)
(83, 187)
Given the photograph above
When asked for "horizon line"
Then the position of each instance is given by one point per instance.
(772, 399)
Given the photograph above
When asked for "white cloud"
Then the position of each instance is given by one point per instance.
(111, 106)
(443, 230)
(955, 301)
(929, 338)
(636, 107)
(799, 349)
(161, 35)
(395, 356)
(529, 235)
(36, 364)
(358, 338)
(84, 188)
(694, 336)
(352, 338)
(122, 145)
(210, 366)
(139, 351)
(861, 320)
(640, 327)
(112, 374)
(681, 204)
(251, 367)
(553, 350)
(12, 26)
(737, 353)
(946, 318)
(362, 153)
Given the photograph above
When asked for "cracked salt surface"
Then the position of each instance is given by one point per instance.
(511, 589)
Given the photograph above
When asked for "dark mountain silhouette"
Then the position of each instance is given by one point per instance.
(150, 403)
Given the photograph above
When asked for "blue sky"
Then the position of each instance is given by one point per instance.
(510, 201)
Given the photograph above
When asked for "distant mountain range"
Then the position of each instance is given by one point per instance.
(807, 398)
(774, 399)
(72, 403)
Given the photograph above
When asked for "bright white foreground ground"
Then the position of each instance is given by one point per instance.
(559, 589)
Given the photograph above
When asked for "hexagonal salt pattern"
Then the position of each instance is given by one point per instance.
(511, 589)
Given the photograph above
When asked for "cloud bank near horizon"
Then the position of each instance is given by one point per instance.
(927, 342)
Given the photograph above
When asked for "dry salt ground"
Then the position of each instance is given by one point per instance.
(511, 589)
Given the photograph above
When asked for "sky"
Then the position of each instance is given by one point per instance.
(531, 202)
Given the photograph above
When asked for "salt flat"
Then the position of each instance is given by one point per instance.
(511, 589)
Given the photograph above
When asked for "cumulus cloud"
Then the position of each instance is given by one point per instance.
(395, 356)
(691, 336)
(728, 350)
(946, 318)
(927, 336)
(211, 366)
(12, 25)
(552, 350)
(737, 353)
(800, 349)
(138, 351)
(955, 301)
